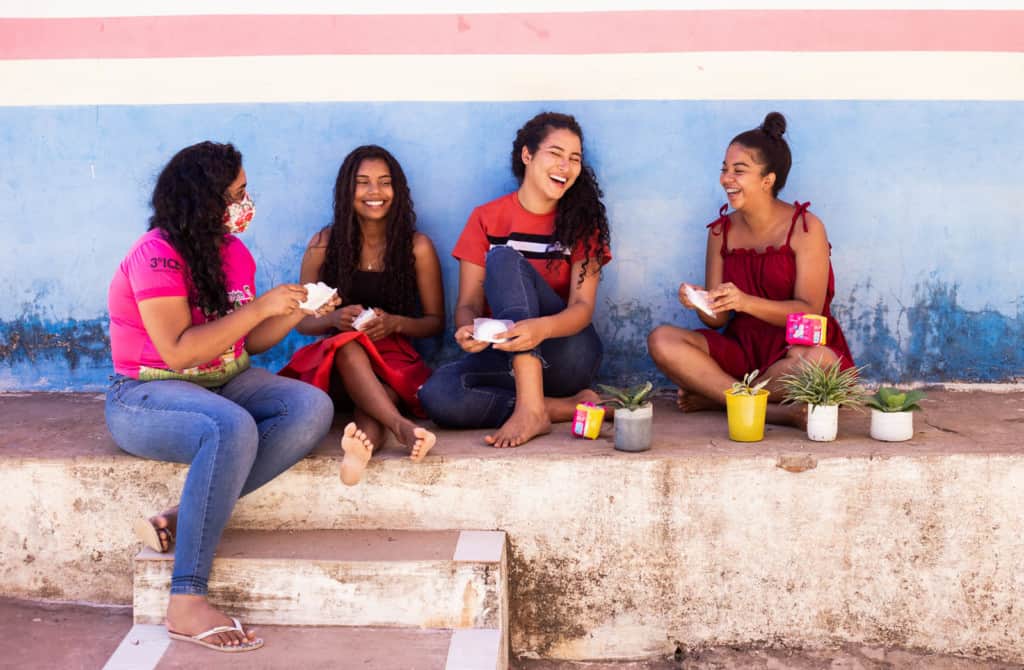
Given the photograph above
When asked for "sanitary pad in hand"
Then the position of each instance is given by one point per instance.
(486, 329)
(699, 299)
(364, 317)
(317, 295)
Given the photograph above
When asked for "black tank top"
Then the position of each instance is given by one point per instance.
(368, 291)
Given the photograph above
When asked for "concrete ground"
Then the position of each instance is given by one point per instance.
(75, 637)
(63, 425)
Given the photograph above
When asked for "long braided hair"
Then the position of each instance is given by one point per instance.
(580, 215)
(346, 238)
(188, 206)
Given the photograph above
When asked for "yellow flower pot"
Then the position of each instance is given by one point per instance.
(746, 415)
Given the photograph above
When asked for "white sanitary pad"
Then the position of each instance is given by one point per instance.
(486, 329)
(364, 317)
(699, 299)
(317, 295)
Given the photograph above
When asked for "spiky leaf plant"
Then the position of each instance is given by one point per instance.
(889, 399)
(630, 398)
(823, 385)
(746, 386)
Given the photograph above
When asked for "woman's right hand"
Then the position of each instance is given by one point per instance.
(464, 338)
(344, 317)
(282, 300)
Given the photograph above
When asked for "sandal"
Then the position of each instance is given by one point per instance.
(153, 537)
(200, 639)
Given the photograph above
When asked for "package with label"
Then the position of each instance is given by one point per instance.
(587, 420)
(806, 329)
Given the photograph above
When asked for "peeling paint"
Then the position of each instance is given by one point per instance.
(933, 338)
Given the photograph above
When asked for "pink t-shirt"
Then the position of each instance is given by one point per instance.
(153, 269)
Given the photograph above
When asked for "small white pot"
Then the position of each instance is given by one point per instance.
(892, 426)
(633, 428)
(822, 422)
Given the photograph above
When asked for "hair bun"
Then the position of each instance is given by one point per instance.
(774, 125)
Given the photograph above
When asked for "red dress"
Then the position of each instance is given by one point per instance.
(393, 358)
(749, 343)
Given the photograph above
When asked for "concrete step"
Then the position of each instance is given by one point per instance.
(427, 579)
(147, 647)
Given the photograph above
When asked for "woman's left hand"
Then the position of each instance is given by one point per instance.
(382, 325)
(523, 336)
(727, 297)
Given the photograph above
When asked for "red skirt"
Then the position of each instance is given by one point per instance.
(393, 359)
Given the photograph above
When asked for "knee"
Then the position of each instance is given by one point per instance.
(318, 411)
(347, 353)
(659, 341)
(235, 431)
(502, 256)
(820, 356)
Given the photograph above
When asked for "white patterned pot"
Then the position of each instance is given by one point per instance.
(892, 426)
(822, 422)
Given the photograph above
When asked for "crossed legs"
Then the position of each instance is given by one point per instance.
(684, 357)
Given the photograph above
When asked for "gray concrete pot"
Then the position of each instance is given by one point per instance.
(633, 428)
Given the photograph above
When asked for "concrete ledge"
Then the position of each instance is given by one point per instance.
(696, 543)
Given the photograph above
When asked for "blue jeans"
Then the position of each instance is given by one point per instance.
(478, 391)
(237, 437)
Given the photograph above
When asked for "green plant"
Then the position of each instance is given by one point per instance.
(633, 397)
(823, 385)
(746, 386)
(889, 399)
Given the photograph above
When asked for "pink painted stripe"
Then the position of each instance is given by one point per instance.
(554, 33)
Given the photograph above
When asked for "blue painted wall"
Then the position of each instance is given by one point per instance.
(921, 202)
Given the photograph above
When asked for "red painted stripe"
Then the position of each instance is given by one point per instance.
(555, 33)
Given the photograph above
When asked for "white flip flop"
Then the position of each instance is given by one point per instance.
(200, 639)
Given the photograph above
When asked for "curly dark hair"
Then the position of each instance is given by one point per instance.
(772, 149)
(580, 215)
(346, 241)
(188, 206)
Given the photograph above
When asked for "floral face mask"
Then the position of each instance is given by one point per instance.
(239, 214)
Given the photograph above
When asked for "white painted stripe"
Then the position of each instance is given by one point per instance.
(141, 649)
(535, 247)
(484, 546)
(77, 8)
(474, 649)
(673, 76)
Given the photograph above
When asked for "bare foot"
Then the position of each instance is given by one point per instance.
(524, 425)
(418, 439)
(193, 614)
(688, 401)
(424, 442)
(563, 409)
(157, 532)
(358, 449)
(787, 415)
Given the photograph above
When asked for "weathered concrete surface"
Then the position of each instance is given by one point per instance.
(847, 657)
(69, 637)
(338, 578)
(699, 542)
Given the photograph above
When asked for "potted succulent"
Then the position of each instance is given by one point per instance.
(633, 415)
(745, 406)
(892, 417)
(824, 389)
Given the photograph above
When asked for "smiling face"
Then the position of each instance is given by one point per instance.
(373, 191)
(742, 177)
(553, 168)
